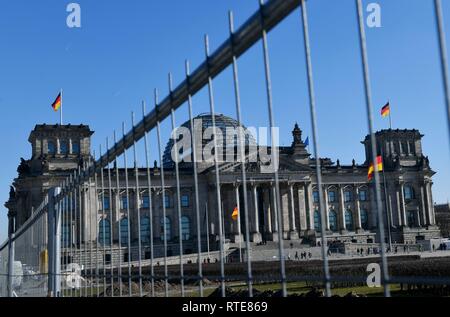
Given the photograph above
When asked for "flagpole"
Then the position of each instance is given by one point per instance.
(61, 108)
(388, 213)
(390, 113)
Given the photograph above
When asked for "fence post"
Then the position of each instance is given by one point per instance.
(54, 244)
(10, 265)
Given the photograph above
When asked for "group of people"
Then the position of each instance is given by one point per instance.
(303, 256)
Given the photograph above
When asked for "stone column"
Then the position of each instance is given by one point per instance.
(402, 201)
(309, 206)
(293, 234)
(327, 208)
(399, 208)
(267, 211)
(357, 209)
(256, 235)
(430, 203)
(424, 205)
(275, 212)
(341, 209)
(302, 209)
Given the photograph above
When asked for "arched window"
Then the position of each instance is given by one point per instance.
(409, 192)
(333, 220)
(185, 200)
(331, 196)
(104, 232)
(124, 231)
(317, 220)
(145, 229)
(185, 228)
(64, 148)
(348, 196)
(364, 219)
(51, 149)
(316, 196)
(168, 229)
(167, 200)
(75, 148)
(348, 220)
(363, 195)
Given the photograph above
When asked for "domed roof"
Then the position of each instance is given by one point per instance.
(222, 122)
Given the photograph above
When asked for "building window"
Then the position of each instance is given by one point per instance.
(145, 202)
(185, 228)
(347, 196)
(145, 229)
(316, 196)
(363, 195)
(64, 148)
(167, 201)
(75, 148)
(412, 148)
(104, 232)
(409, 192)
(348, 220)
(333, 220)
(106, 203)
(364, 219)
(51, 149)
(332, 196)
(168, 227)
(404, 148)
(124, 231)
(124, 202)
(317, 220)
(185, 200)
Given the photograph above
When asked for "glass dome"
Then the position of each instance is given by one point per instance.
(222, 122)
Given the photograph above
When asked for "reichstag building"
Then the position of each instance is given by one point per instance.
(408, 207)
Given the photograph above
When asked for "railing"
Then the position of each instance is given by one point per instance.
(70, 246)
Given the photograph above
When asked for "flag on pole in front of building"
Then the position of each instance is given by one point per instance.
(386, 110)
(235, 214)
(372, 168)
(57, 103)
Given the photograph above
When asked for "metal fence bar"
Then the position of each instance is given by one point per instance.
(118, 207)
(443, 55)
(138, 209)
(274, 151)
(129, 255)
(150, 198)
(216, 168)
(163, 198)
(197, 201)
(312, 105)
(245, 37)
(369, 108)
(102, 204)
(97, 206)
(242, 143)
(80, 228)
(177, 177)
(111, 231)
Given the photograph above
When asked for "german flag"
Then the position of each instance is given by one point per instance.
(372, 168)
(57, 103)
(235, 214)
(386, 110)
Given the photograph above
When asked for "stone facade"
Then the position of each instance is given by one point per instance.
(349, 199)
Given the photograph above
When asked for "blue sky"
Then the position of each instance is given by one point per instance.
(124, 49)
